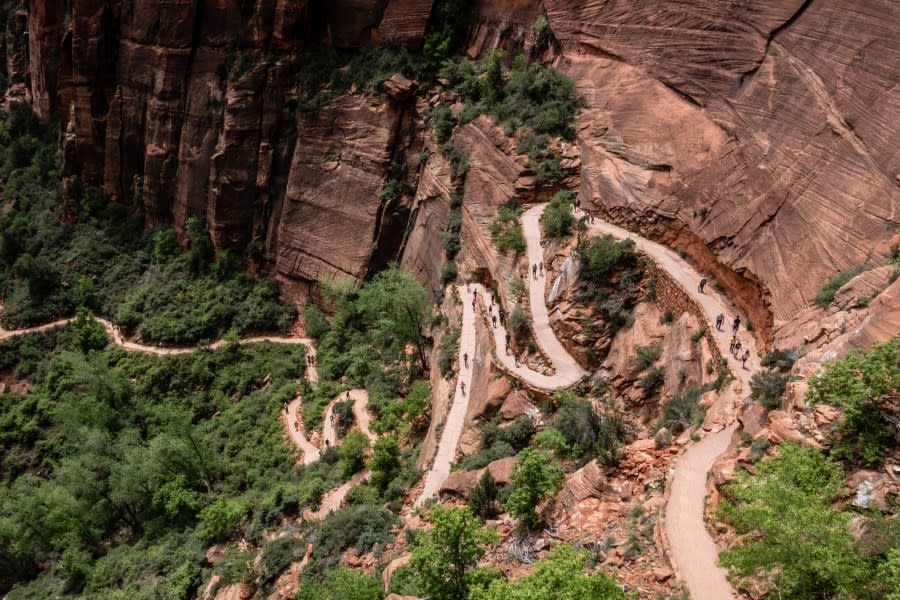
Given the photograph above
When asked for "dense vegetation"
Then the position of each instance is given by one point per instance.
(797, 543)
(860, 384)
(119, 469)
(56, 256)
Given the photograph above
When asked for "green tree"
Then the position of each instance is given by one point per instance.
(558, 218)
(447, 554)
(600, 255)
(340, 584)
(394, 306)
(353, 452)
(536, 477)
(789, 529)
(857, 383)
(560, 576)
(483, 497)
(90, 335)
(385, 462)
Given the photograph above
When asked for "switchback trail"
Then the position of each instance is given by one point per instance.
(452, 429)
(691, 549)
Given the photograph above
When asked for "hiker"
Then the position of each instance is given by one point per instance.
(501, 313)
(348, 397)
(331, 416)
(327, 443)
(720, 320)
(737, 348)
(534, 271)
(508, 337)
(466, 359)
(702, 284)
(296, 426)
(732, 344)
(490, 309)
(517, 359)
(744, 358)
(473, 302)
(736, 325)
(542, 268)
(494, 320)
(462, 387)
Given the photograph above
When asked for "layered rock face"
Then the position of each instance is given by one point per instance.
(758, 137)
(754, 136)
(188, 109)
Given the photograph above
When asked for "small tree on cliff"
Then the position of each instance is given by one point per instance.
(536, 477)
(394, 307)
(449, 552)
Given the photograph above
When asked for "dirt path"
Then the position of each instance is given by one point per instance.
(452, 428)
(333, 499)
(691, 549)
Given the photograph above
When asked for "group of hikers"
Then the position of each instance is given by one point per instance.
(735, 344)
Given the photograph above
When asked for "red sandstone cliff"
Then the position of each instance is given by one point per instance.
(759, 137)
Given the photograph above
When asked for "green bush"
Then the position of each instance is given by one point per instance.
(483, 497)
(558, 218)
(644, 356)
(650, 381)
(535, 478)
(505, 229)
(277, 555)
(793, 539)
(767, 387)
(360, 527)
(697, 335)
(825, 295)
(783, 360)
(341, 583)
(353, 451)
(683, 411)
(449, 272)
(601, 255)
(519, 324)
(316, 325)
(858, 383)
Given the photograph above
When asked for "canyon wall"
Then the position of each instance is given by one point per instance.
(757, 137)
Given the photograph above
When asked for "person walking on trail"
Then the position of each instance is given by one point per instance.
(331, 417)
(501, 313)
(490, 309)
(737, 349)
(702, 284)
(473, 302)
(517, 359)
(534, 271)
(296, 426)
(541, 267)
(720, 320)
(348, 395)
(494, 320)
(462, 387)
(744, 358)
(466, 359)
(507, 342)
(732, 344)
(736, 325)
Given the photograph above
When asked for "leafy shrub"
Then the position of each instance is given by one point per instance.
(650, 381)
(856, 384)
(352, 452)
(519, 324)
(517, 434)
(601, 255)
(783, 360)
(448, 351)
(535, 477)
(558, 218)
(767, 387)
(683, 411)
(644, 356)
(277, 555)
(359, 527)
(825, 295)
(316, 325)
(498, 450)
(505, 229)
(784, 514)
(698, 335)
(449, 272)
(483, 497)
(341, 583)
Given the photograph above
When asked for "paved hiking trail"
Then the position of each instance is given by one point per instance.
(691, 549)
(333, 499)
(452, 428)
